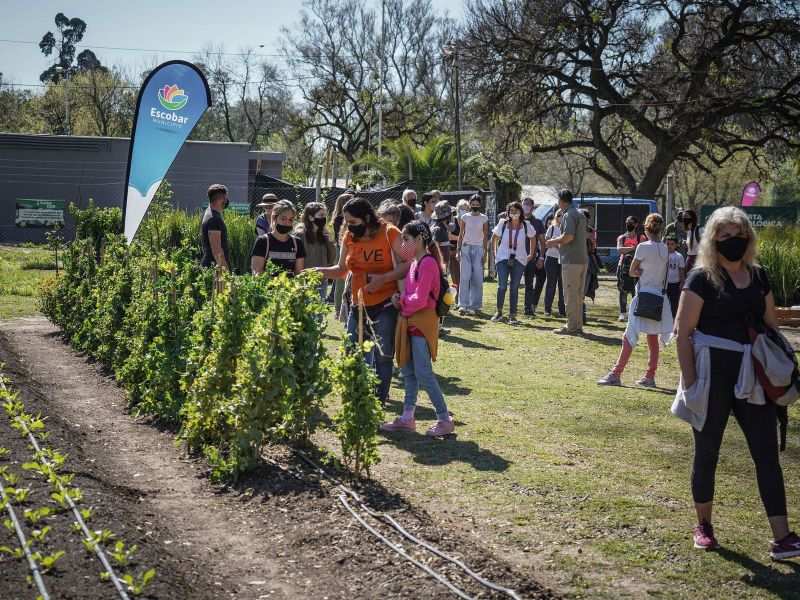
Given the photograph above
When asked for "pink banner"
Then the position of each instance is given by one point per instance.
(750, 193)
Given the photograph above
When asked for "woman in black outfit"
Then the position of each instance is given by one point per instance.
(725, 295)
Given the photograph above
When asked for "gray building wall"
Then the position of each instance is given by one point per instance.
(76, 169)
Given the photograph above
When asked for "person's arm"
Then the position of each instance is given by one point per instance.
(299, 265)
(337, 271)
(566, 237)
(622, 248)
(257, 264)
(215, 240)
(397, 273)
(542, 249)
(532, 245)
(770, 318)
(417, 299)
(461, 228)
(688, 315)
(682, 272)
(636, 268)
(485, 238)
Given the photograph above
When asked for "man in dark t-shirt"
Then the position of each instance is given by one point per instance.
(534, 270)
(213, 233)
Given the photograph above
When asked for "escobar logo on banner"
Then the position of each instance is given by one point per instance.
(172, 99)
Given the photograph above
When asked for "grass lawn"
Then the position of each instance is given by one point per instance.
(587, 486)
(21, 271)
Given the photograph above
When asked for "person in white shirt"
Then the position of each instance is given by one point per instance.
(650, 262)
(552, 268)
(509, 238)
(675, 275)
(693, 234)
(473, 238)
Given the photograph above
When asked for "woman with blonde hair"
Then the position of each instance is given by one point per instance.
(725, 296)
(279, 246)
(337, 218)
(649, 311)
(313, 230)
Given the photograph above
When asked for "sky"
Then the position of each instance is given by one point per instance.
(149, 25)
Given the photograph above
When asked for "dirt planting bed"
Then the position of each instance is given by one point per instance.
(280, 533)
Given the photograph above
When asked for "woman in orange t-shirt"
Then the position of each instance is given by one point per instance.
(371, 252)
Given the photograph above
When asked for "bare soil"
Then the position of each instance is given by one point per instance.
(281, 533)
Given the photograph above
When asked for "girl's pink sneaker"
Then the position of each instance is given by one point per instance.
(441, 428)
(400, 424)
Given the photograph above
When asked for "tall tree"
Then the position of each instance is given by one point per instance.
(250, 100)
(70, 33)
(346, 67)
(698, 80)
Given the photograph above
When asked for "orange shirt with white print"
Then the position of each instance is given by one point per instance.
(371, 256)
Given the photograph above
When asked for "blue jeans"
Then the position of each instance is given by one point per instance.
(418, 373)
(470, 290)
(381, 357)
(505, 269)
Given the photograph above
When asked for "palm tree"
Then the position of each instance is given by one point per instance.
(430, 166)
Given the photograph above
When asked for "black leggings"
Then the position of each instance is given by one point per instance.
(759, 424)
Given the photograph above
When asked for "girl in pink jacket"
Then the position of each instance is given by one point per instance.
(417, 337)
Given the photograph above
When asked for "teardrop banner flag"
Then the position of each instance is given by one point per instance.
(172, 99)
(750, 194)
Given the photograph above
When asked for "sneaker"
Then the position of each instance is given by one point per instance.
(788, 547)
(497, 317)
(704, 537)
(610, 379)
(623, 317)
(567, 331)
(441, 428)
(530, 312)
(648, 382)
(548, 314)
(400, 424)
(512, 320)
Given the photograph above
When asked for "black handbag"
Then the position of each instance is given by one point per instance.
(649, 305)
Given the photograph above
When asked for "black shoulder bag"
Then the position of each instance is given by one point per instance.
(649, 305)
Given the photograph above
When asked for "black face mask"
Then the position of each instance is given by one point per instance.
(283, 228)
(687, 222)
(733, 248)
(227, 203)
(475, 209)
(630, 226)
(320, 222)
(357, 230)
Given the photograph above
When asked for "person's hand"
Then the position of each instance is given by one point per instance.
(396, 300)
(374, 282)
(551, 243)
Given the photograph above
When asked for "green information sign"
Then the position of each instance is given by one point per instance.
(760, 216)
(239, 209)
(39, 213)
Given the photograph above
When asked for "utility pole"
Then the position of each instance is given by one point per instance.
(381, 77)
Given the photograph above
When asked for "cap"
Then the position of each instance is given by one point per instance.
(443, 209)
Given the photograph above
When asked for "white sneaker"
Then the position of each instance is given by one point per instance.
(623, 317)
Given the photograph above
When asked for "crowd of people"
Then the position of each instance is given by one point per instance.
(701, 287)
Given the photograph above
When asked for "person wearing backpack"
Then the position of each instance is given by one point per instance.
(515, 246)
(279, 247)
(417, 336)
(725, 297)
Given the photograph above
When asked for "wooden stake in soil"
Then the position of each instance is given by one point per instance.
(360, 316)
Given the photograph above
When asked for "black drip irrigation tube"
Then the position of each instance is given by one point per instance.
(346, 491)
(37, 575)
